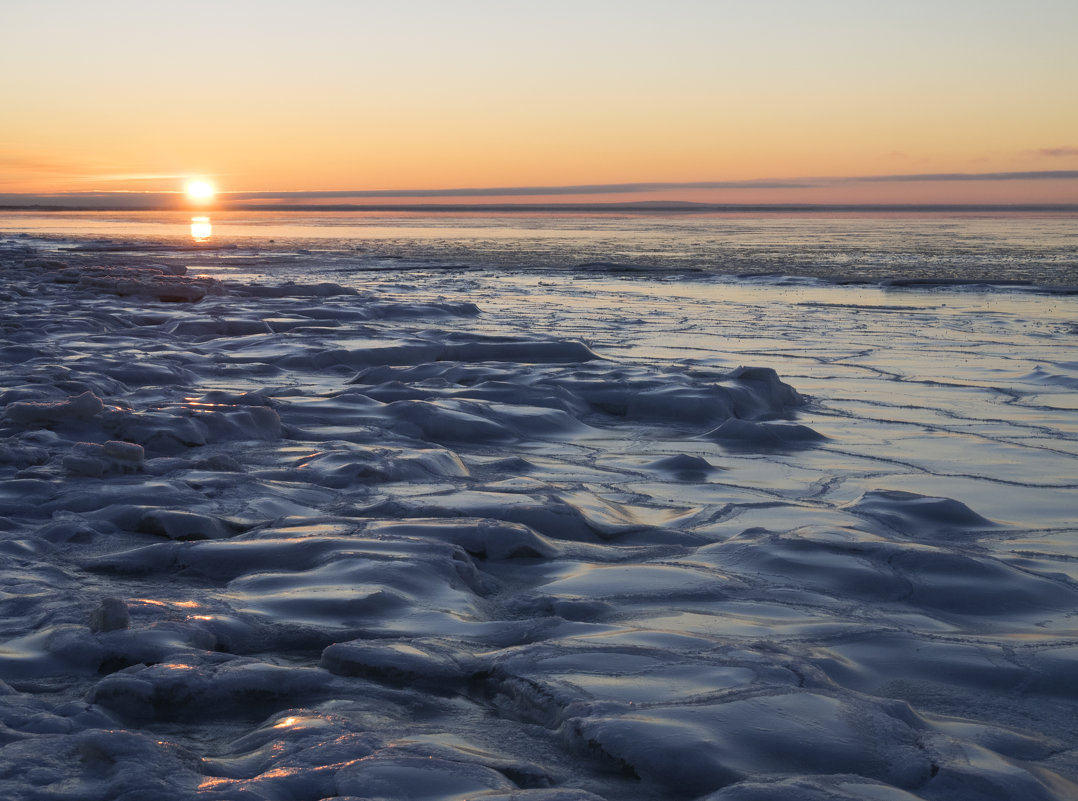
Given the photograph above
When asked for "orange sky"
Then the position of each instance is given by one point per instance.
(288, 96)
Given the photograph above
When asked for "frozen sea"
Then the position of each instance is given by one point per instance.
(561, 507)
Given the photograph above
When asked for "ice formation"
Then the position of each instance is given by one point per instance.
(418, 541)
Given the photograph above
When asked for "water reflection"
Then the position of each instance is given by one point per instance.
(201, 230)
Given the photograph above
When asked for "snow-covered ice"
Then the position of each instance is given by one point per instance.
(441, 535)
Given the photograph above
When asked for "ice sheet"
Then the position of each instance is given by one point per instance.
(529, 537)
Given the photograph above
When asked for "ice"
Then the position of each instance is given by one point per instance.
(110, 615)
(419, 779)
(438, 535)
(755, 436)
(95, 459)
(420, 664)
(717, 745)
(80, 407)
(912, 513)
(204, 685)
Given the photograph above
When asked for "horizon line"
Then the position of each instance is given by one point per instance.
(623, 206)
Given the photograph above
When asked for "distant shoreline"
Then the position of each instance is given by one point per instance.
(646, 207)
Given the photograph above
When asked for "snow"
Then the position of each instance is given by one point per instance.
(511, 537)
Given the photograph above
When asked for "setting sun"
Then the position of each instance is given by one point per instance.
(200, 191)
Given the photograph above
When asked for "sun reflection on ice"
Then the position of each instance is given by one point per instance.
(201, 229)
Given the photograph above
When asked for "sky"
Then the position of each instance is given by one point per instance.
(724, 101)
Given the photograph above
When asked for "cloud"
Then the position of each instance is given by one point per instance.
(641, 188)
(1029, 175)
(518, 191)
(25, 162)
(1058, 152)
(150, 199)
(144, 176)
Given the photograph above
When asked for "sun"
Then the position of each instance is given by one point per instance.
(200, 191)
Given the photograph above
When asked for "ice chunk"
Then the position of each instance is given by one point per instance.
(93, 459)
(80, 407)
(111, 614)
(194, 685)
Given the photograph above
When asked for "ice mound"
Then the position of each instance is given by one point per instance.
(161, 283)
(421, 779)
(913, 514)
(349, 465)
(366, 591)
(81, 407)
(578, 516)
(399, 661)
(934, 579)
(717, 745)
(683, 466)
(94, 459)
(173, 429)
(753, 435)
(325, 289)
(202, 685)
(841, 787)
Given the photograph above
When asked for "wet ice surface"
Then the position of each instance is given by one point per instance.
(443, 535)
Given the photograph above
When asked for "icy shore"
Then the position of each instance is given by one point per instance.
(454, 538)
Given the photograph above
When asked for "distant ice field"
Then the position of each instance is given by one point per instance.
(1040, 249)
(538, 509)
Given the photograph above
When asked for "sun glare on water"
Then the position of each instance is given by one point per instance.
(200, 191)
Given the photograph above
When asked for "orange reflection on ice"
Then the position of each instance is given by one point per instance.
(201, 229)
(209, 784)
